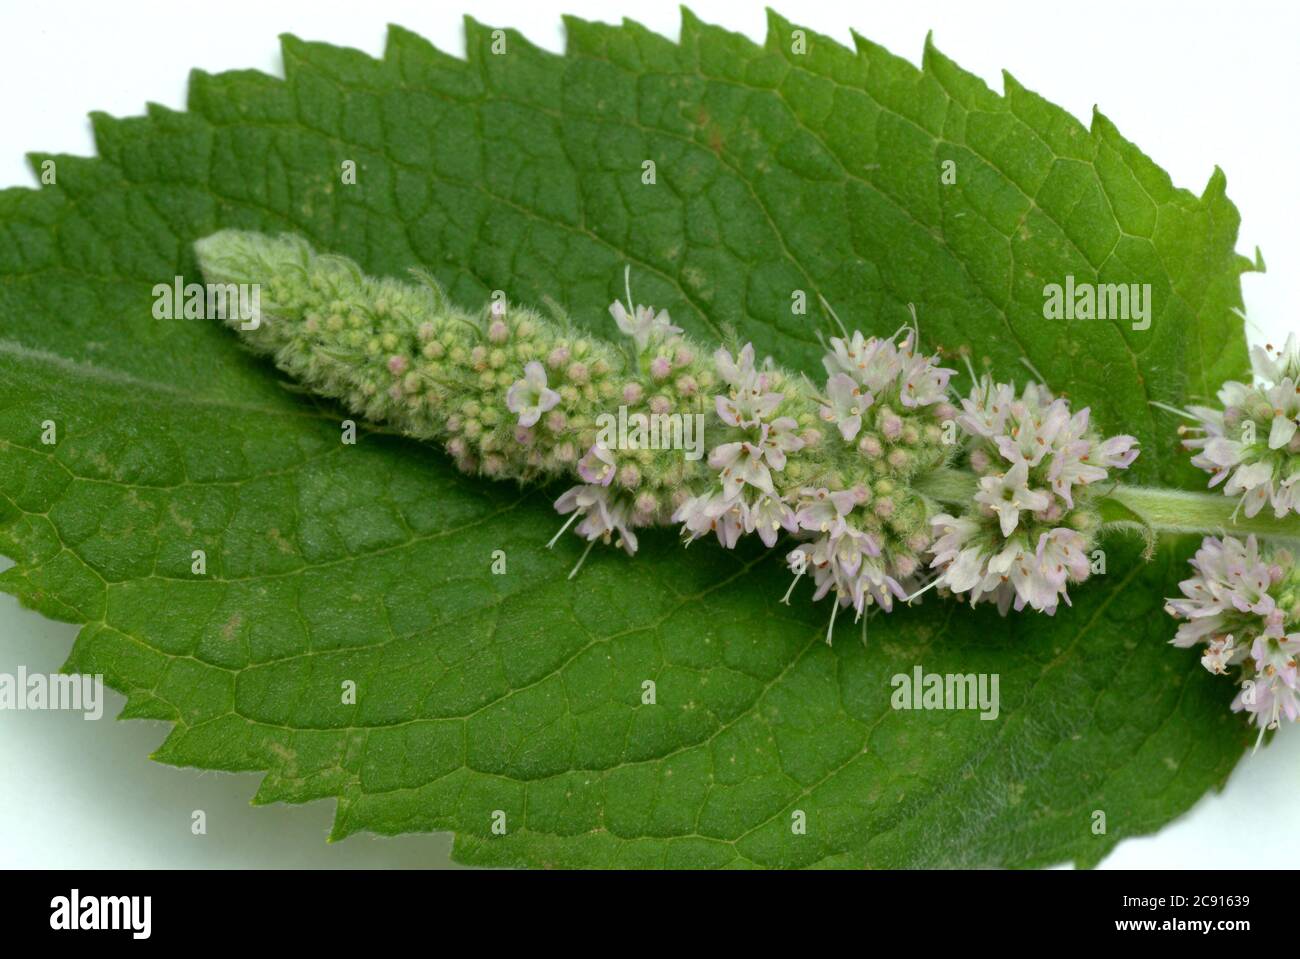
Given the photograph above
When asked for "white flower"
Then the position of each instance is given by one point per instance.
(1061, 558)
(847, 404)
(1008, 494)
(1275, 655)
(738, 373)
(712, 512)
(778, 438)
(961, 561)
(1267, 700)
(922, 383)
(870, 362)
(597, 466)
(1070, 465)
(1286, 498)
(1270, 690)
(1255, 484)
(602, 515)
(698, 513)
(1219, 655)
(530, 397)
(748, 402)
(730, 526)
(739, 465)
(846, 355)
(746, 408)
(768, 516)
(1036, 431)
(644, 325)
(1115, 452)
(1284, 398)
(1274, 365)
(987, 409)
(823, 511)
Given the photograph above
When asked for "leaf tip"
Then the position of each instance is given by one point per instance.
(778, 28)
(1217, 185)
(931, 55)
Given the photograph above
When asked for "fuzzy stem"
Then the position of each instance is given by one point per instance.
(1169, 511)
(1178, 511)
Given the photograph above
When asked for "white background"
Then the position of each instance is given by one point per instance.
(1193, 84)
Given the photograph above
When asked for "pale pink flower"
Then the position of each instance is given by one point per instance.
(530, 397)
(644, 325)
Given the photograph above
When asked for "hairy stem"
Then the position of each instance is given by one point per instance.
(1141, 507)
(1178, 511)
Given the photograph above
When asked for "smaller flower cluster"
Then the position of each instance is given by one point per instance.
(1252, 442)
(623, 489)
(1027, 535)
(1243, 606)
(744, 499)
(845, 558)
(847, 497)
(864, 527)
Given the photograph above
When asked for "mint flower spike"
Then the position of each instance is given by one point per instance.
(1243, 604)
(854, 471)
(1252, 442)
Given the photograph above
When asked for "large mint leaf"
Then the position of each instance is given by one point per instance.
(522, 693)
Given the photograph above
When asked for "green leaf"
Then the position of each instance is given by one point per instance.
(522, 693)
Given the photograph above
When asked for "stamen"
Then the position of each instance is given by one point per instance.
(1262, 728)
(928, 586)
(1170, 409)
(556, 537)
(835, 608)
(582, 559)
(827, 307)
(1032, 369)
